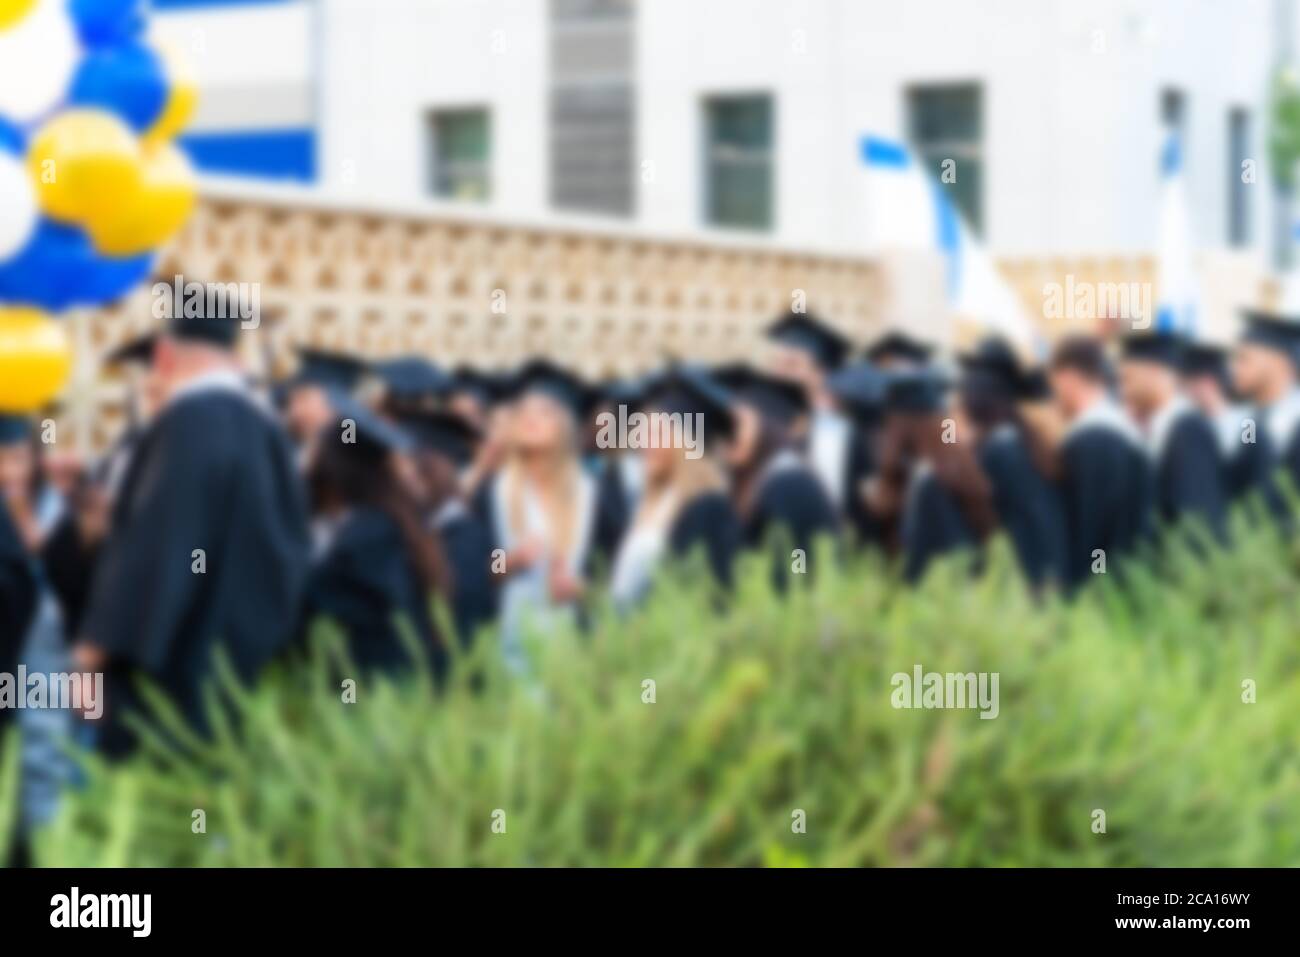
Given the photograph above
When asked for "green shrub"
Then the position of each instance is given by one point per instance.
(1128, 701)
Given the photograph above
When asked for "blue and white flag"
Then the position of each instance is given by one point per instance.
(1290, 304)
(1177, 293)
(907, 209)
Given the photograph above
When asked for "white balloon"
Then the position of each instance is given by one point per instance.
(17, 206)
(37, 57)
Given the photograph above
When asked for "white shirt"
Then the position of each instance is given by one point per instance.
(1104, 413)
(639, 555)
(1282, 418)
(828, 451)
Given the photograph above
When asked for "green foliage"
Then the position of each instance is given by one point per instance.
(1284, 127)
(1128, 701)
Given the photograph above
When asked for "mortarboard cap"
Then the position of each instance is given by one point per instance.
(445, 433)
(328, 370)
(899, 346)
(487, 388)
(915, 391)
(993, 369)
(860, 390)
(777, 399)
(1272, 331)
(199, 315)
(373, 436)
(545, 377)
(1205, 358)
(1155, 348)
(812, 335)
(692, 390)
(412, 379)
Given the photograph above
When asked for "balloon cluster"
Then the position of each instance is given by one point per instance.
(91, 182)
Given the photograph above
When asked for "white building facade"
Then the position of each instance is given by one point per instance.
(743, 118)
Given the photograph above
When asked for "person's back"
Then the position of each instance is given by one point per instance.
(1107, 490)
(1028, 506)
(208, 549)
(366, 584)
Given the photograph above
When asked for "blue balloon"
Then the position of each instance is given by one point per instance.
(12, 138)
(59, 268)
(107, 22)
(128, 80)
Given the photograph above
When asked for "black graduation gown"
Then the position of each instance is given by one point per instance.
(467, 543)
(1107, 491)
(216, 473)
(1190, 475)
(18, 593)
(1028, 506)
(867, 529)
(69, 566)
(365, 584)
(791, 510)
(1249, 469)
(708, 522)
(932, 525)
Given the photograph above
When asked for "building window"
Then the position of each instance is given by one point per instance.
(739, 161)
(1238, 191)
(946, 127)
(460, 148)
(1173, 110)
(593, 118)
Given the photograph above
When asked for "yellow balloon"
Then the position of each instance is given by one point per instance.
(182, 95)
(86, 165)
(162, 204)
(11, 11)
(35, 359)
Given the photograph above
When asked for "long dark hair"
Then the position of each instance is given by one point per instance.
(773, 437)
(908, 440)
(989, 411)
(341, 476)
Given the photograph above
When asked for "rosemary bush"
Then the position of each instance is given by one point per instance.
(1127, 700)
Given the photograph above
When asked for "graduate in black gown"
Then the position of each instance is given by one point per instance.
(556, 530)
(617, 470)
(445, 446)
(1188, 467)
(782, 504)
(1264, 372)
(685, 510)
(307, 398)
(411, 383)
(930, 488)
(375, 566)
(208, 544)
(808, 350)
(18, 583)
(1107, 484)
(1247, 454)
(1016, 459)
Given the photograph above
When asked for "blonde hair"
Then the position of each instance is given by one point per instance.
(559, 500)
(688, 479)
